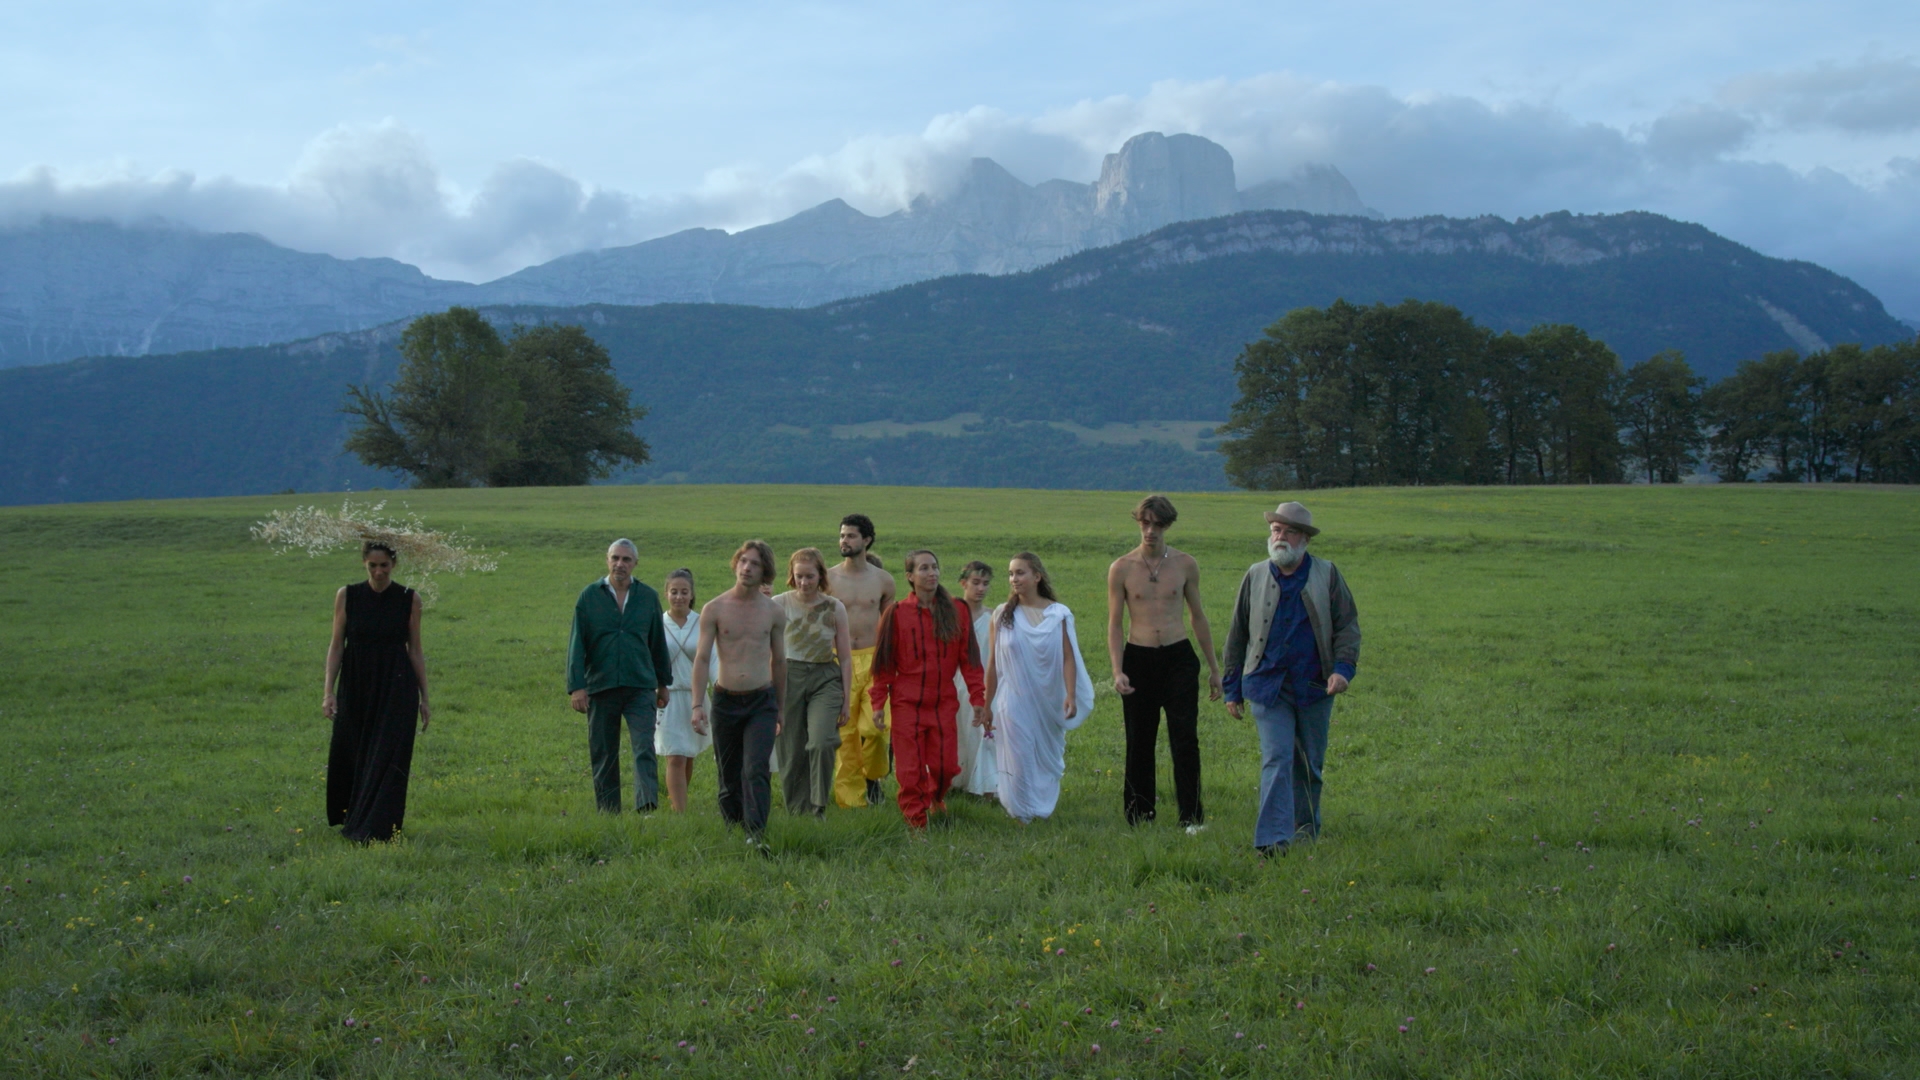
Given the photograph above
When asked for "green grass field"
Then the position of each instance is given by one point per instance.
(1624, 788)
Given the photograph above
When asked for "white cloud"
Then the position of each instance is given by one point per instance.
(1870, 96)
(376, 190)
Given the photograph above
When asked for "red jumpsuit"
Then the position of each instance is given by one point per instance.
(926, 747)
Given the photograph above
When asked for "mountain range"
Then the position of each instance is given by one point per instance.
(73, 288)
(1108, 368)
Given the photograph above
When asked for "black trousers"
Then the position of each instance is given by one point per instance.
(742, 727)
(1164, 678)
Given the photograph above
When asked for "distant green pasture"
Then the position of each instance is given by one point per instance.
(1625, 787)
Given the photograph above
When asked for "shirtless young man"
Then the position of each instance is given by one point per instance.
(866, 590)
(750, 630)
(1150, 586)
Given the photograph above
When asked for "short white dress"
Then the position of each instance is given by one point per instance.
(673, 726)
(979, 772)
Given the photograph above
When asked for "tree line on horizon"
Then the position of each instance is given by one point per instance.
(1343, 396)
(1418, 394)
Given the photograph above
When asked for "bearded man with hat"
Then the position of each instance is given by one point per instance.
(1293, 646)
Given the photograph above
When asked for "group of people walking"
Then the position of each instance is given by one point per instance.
(840, 680)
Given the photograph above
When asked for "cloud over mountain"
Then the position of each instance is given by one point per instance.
(376, 190)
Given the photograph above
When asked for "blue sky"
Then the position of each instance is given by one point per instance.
(474, 139)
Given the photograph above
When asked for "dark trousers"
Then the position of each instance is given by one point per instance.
(604, 712)
(1164, 678)
(742, 727)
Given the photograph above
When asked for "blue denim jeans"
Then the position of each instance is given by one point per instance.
(1293, 748)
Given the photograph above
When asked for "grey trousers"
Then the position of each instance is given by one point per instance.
(811, 736)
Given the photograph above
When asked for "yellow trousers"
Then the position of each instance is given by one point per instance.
(863, 747)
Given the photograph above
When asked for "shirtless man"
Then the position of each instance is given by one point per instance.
(1157, 669)
(750, 630)
(866, 590)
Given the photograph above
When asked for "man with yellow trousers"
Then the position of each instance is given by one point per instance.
(866, 590)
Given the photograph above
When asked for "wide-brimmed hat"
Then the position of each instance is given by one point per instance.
(1292, 513)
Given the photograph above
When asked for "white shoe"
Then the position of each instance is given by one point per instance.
(1196, 830)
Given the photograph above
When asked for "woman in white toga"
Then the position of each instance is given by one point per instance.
(673, 736)
(1038, 685)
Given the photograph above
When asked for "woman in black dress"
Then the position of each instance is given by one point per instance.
(381, 674)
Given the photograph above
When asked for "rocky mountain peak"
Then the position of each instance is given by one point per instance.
(1158, 179)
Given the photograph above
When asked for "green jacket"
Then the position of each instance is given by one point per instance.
(613, 648)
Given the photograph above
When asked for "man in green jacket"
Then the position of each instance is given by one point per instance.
(618, 665)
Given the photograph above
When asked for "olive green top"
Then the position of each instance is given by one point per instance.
(810, 630)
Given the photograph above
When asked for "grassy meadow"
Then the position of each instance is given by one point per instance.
(1625, 787)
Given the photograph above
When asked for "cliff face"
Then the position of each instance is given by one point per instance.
(992, 223)
(71, 289)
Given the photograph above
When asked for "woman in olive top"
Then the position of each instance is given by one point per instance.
(819, 662)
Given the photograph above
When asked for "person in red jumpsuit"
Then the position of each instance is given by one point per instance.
(923, 640)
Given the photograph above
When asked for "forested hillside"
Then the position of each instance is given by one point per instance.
(1142, 331)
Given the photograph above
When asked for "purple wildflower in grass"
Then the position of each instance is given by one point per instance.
(1610, 946)
(376, 1042)
(862, 1044)
(1156, 1031)
(186, 879)
(249, 1012)
(1403, 1029)
(1113, 1023)
(1239, 1034)
(1409, 1019)
(896, 963)
(1262, 1046)
(1370, 967)
(1432, 970)
(1096, 1048)
(809, 1031)
(513, 1046)
(703, 1001)
(1060, 951)
(793, 1016)
(682, 1044)
(425, 979)
(1088, 1011)
(831, 1000)
(516, 986)
(112, 1040)
(351, 1022)
(1298, 1005)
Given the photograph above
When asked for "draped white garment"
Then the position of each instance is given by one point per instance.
(673, 726)
(979, 774)
(1030, 724)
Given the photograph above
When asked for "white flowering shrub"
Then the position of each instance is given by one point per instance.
(423, 552)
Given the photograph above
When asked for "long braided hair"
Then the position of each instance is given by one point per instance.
(946, 622)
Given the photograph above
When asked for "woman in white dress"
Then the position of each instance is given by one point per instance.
(1038, 686)
(978, 772)
(673, 736)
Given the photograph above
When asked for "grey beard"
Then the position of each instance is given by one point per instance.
(1284, 555)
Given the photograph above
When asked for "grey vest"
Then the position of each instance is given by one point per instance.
(1264, 598)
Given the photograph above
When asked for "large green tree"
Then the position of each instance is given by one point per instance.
(1660, 406)
(469, 409)
(578, 424)
(1416, 393)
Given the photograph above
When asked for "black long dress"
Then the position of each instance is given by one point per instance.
(377, 706)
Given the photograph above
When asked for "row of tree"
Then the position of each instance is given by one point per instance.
(470, 409)
(1419, 394)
